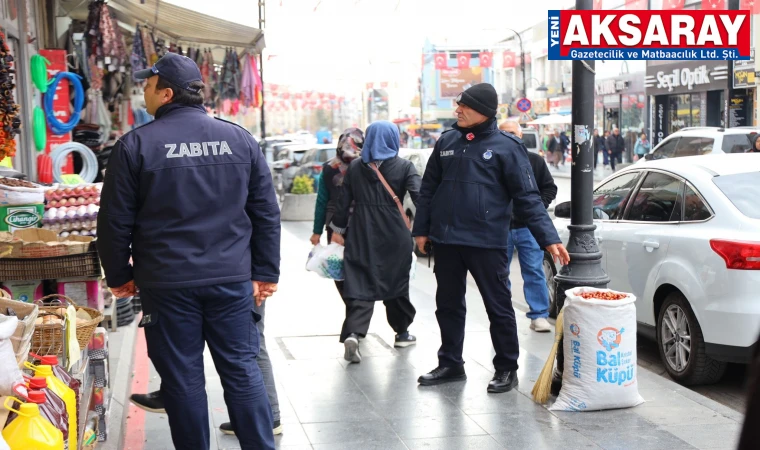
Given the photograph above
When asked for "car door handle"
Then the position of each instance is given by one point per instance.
(651, 244)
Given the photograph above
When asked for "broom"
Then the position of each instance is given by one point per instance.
(542, 388)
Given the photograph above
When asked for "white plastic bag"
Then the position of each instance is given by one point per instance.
(19, 195)
(10, 375)
(600, 353)
(413, 270)
(326, 262)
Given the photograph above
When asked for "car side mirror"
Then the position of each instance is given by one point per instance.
(649, 156)
(562, 210)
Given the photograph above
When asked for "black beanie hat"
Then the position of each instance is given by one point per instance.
(482, 98)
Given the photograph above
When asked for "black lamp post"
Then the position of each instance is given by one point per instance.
(585, 268)
(522, 59)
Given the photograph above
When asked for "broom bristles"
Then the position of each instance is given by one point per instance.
(542, 388)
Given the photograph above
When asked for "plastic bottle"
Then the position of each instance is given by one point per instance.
(54, 403)
(60, 373)
(30, 430)
(66, 393)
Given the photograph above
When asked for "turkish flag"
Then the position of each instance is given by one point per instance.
(713, 4)
(321, 95)
(463, 60)
(299, 96)
(752, 5)
(383, 85)
(637, 4)
(509, 60)
(441, 61)
(285, 95)
(597, 5)
(370, 86)
(486, 59)
(673, 4)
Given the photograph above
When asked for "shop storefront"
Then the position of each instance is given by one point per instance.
(741, 107)
(686, 94)
(620, 102)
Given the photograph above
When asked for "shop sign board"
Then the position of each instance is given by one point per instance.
(453, 81)
(686, 76)
(744, 73)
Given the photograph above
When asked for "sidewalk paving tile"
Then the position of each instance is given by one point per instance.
(360, 433)
(715, 436)
(545, 439)
(454, 443)
(436, 426)
(622, 437)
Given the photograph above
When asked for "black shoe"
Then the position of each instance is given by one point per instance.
(556, 383)
(226, 428)
(404, 340)
(441, 375)
(503, 381)
(151, 402)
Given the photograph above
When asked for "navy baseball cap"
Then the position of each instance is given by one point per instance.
(177, 69)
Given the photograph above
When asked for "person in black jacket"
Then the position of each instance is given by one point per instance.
(531, 256)
(600, 145)
(555, 149)
(615, 147)
(475, 177)
(378, 255)
(190, 200)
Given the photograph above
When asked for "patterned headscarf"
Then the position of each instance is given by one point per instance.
(349, 148)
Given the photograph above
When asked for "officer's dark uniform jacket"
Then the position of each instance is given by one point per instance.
(469, 187)
(194, 198)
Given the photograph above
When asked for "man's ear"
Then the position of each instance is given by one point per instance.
(168, 95)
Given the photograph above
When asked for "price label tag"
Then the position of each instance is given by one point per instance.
(100, 65)
(108, 60)
(122, 69)
(112, 68)
(74, 179)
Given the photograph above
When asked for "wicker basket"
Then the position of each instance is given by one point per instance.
(84, 265)
(48, 338)
(27, 314)
(85, 329)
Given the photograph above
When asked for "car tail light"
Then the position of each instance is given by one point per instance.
(740, 255)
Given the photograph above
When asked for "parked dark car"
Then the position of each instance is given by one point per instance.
(312, 161)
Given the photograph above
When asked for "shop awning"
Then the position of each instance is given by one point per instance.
(181, 24)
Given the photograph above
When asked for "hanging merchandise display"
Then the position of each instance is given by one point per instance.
(39, 68)
(250, 85)
(89, 161)
(39, 129)
(137, 58)
(229, 81)
(56, 126)
(9, 110)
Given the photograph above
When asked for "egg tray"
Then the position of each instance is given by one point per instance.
(83, 265)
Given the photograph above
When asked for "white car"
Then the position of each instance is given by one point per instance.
(697, 141)
(683, 235)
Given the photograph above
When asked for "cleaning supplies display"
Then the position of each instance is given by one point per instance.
(54, 404)
(600, 351)
(30, 430)
(65, 392)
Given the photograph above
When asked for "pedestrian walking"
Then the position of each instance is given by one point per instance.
(190, 199)
(600, 145)
(607, 149)
(615, 146)
(379, 245)
(154, 402)
(474, 178)
(565, 146)
(755, 144)
(555, 149)
(642, 146)
(529, 253)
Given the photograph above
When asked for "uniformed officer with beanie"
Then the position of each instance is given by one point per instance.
(475, 177)
(190, 200)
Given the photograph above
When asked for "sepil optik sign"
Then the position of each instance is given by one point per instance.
(649, 35)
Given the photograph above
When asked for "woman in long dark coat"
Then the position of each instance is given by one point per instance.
(378, 254)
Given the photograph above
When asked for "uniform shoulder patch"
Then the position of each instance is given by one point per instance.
(512, 136)
(233, 123)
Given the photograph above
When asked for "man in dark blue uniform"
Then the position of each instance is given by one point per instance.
(476, 175)
(190, 199)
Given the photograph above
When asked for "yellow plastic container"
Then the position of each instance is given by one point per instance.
(30, 430)
(63, 391)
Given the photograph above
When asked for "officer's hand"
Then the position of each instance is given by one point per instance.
(422, 243)
(338, 239)
(127, 290)
(263, 290)
(315, 238)
(559, 253)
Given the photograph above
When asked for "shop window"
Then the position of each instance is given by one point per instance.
(696, 110)
(680, 112)
(656, 199)
(694, 208)
(694, 146)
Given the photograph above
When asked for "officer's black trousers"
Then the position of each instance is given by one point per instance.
(490, 270)
(178, 325)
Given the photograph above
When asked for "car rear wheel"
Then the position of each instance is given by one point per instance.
(682, 346)
(550, 271)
